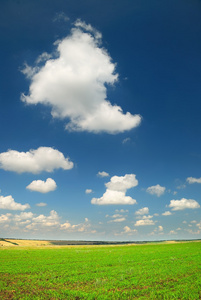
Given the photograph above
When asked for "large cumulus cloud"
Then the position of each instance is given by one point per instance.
(73, 81)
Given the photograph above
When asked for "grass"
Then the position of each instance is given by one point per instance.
(152, 271)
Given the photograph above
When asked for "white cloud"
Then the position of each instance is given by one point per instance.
(113, 197)
(42, 186)
(121, 210)
(199, 225)
(116, 216)
(122, 183)
(44, 221)
(142, 211)
(116, 191)
(127, 229)
(41, 204)
(5, 218)
(160, 228)
(73, 82)
(34, 161)
(29, 222)
(82, 227)
(167, 213)
(193, 180)
(183, 204)
(88, 191)
(146, 220)
(156, 190)
(172, 232)
(193, 232)
(103, 174)
(9, 203)
(117, 220)
(23, 216)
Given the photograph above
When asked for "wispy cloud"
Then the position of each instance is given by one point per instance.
(61, 17)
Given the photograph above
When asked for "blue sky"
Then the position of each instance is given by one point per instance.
(100, 119)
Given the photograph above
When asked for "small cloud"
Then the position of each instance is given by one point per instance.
(121, 210)
(61, 17)
(145, 221)
(127, 229)
(41, 204)
(172, 232)
(193, 180)
(183, 204)
(9, 203)
(126, 140)
(88, 191)
(199, 225)
(142, 211)
(156, 190)
(167, 213)
(82, 227)
(116, 216)
(103, 174)
(42, 186)
(160, 228)
(118, 220)
(181, 187)
(116, 191)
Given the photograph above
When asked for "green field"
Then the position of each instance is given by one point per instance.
(152, 271)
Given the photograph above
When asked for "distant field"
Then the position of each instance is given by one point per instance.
(151, 271)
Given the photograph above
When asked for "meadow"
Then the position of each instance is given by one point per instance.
(150, 271)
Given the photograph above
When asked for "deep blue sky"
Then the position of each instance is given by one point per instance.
(156, 49)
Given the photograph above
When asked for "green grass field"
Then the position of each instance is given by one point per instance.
(152, 271)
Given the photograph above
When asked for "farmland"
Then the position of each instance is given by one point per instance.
(150, 271)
